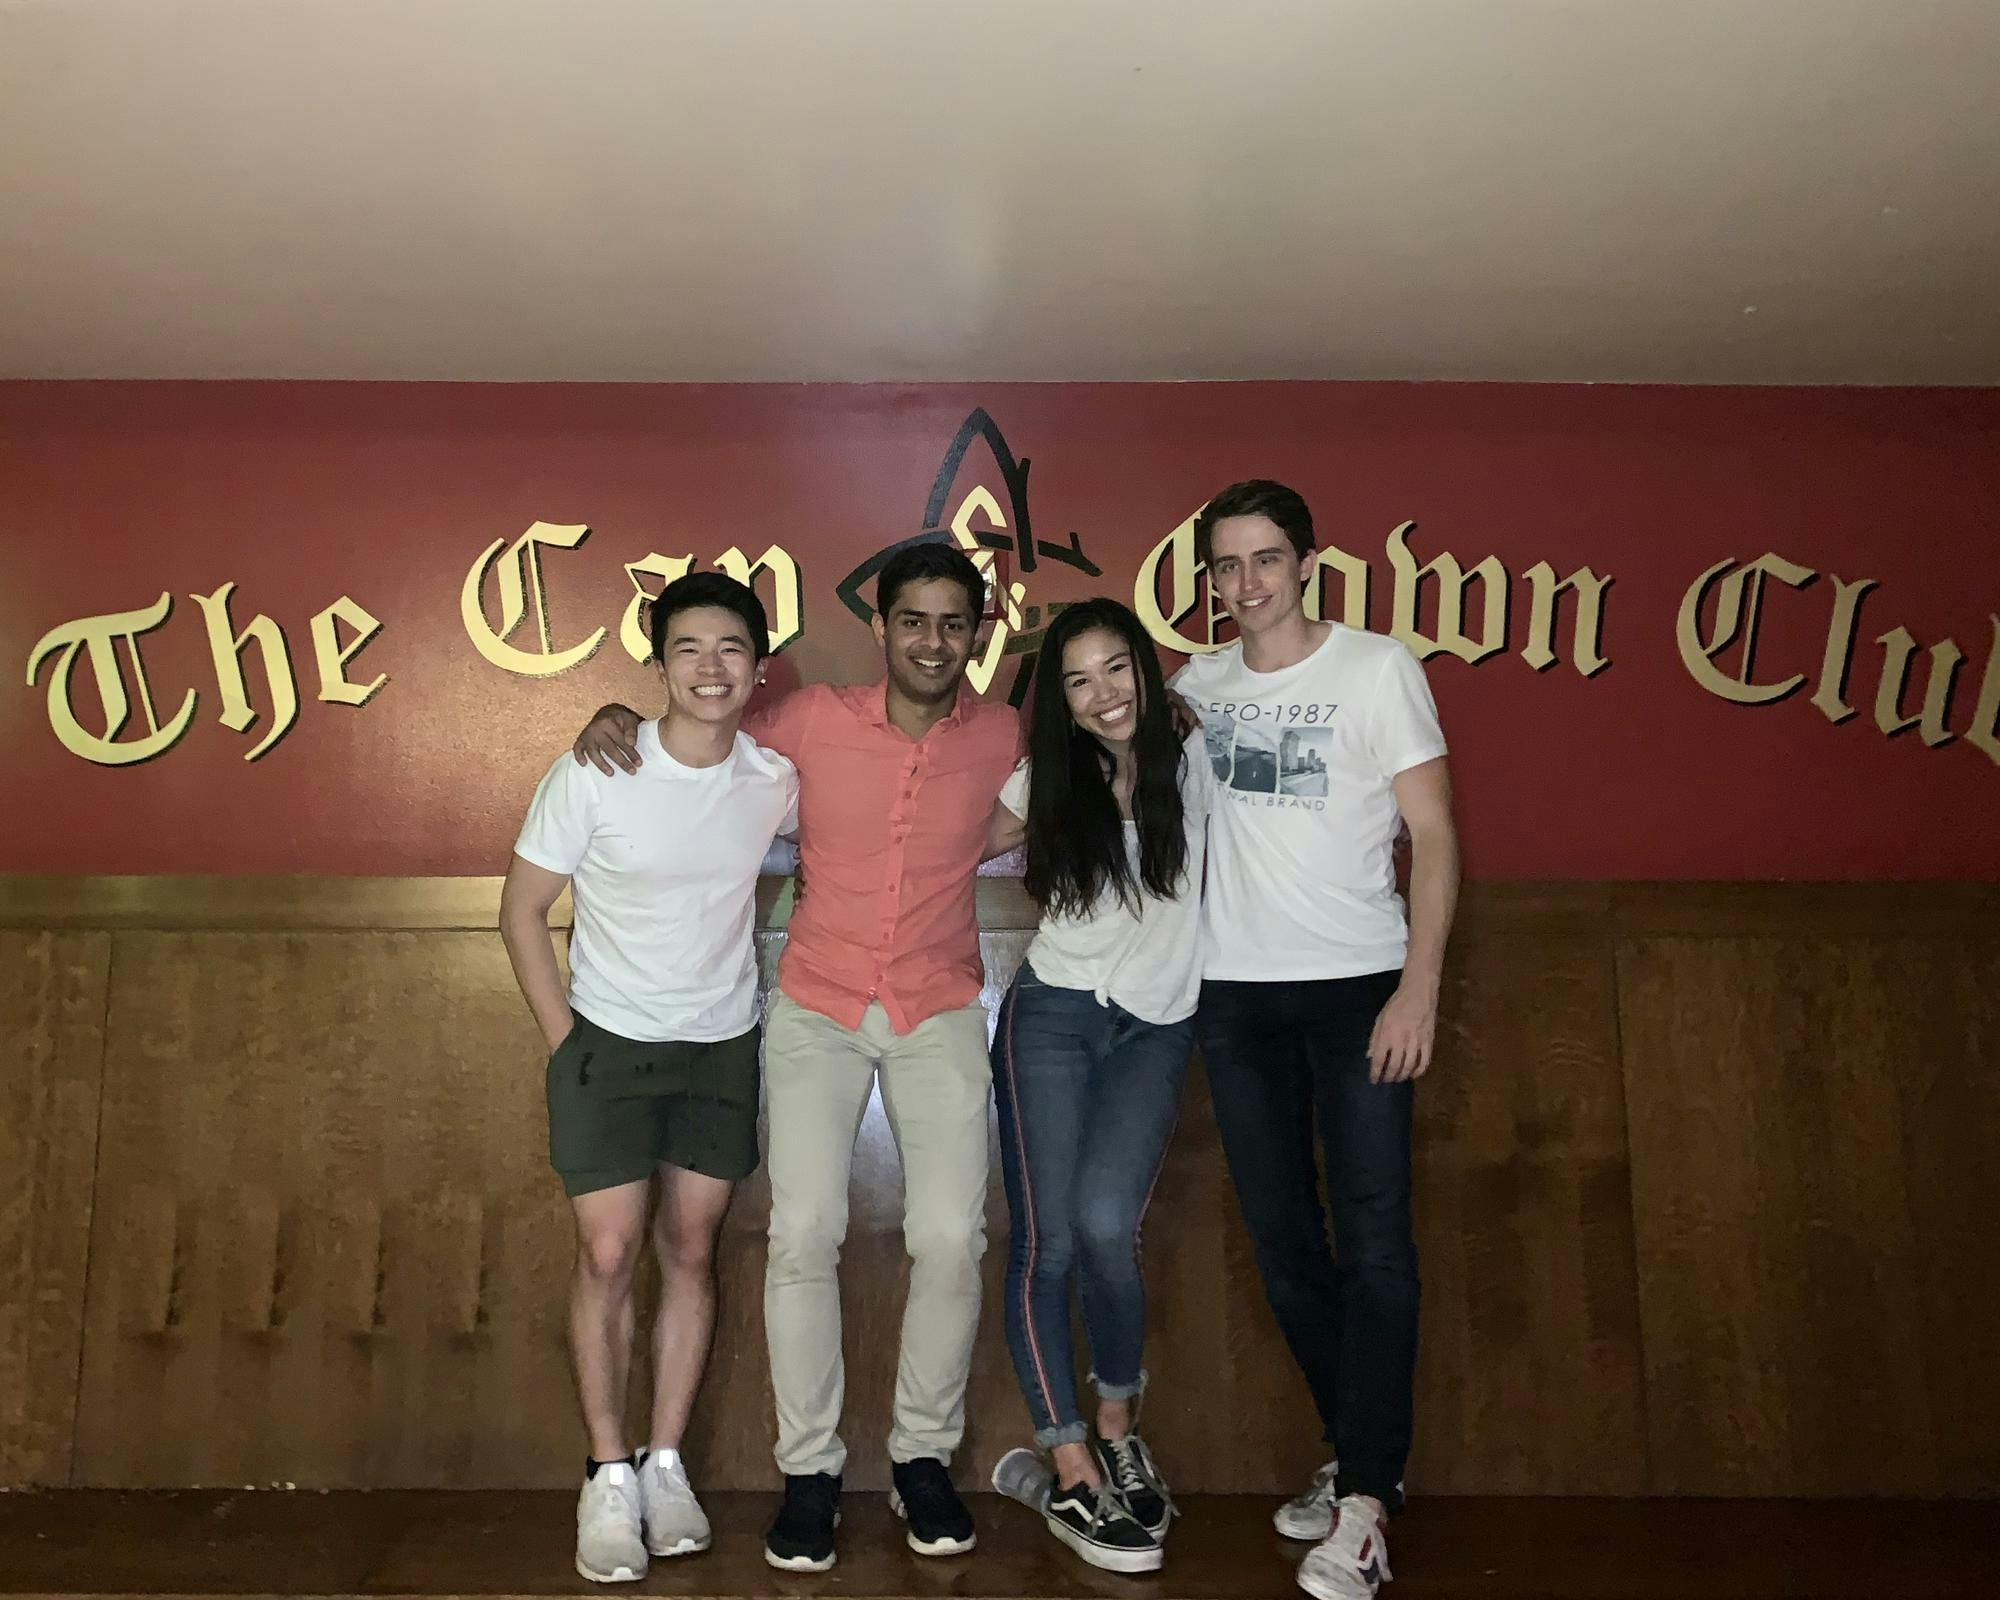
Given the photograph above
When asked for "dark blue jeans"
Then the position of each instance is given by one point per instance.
(1087, 1096)
(1283, 1060)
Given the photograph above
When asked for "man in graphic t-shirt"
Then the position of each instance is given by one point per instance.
(1319, 994)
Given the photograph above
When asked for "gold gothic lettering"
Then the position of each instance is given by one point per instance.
(631, 631)
(519, 579)
(1738, 610)
(332, 657)
(979, 671)
(786, 611)
(1353, 586)
(1946, 659)
(1587, 642)
(1186, 580)
(1451, 578)
(1831, 695)
(1188, 586)
(227, 650)
(1985, 730)
(1164, 608)
(99, 636)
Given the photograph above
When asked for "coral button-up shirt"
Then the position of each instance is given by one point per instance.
(891, 830)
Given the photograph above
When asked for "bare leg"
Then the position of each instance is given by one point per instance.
(684, 1233)
(1074, 1463)
(610, 1228)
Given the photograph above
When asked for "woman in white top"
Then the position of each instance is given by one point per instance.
(1092, 1044)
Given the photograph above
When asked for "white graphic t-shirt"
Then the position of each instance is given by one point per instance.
(663, 871)
(1301, 866)
(1149, 962)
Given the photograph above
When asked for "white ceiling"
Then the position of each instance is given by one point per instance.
(1620, 190)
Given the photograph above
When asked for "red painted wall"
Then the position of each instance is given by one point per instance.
(299, 494)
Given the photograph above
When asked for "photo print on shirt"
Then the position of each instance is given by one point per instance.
(1251, 758)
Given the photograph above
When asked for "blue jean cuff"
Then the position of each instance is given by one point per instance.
(1119, 1391)
(1375, 1487)
(1066, 1433)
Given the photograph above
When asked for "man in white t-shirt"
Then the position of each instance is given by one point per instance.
(1319, 994)
(653, 1071)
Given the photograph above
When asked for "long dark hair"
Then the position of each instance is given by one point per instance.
(1075, 837)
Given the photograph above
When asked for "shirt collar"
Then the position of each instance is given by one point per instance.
(876, 704)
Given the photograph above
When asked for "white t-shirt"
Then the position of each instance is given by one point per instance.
(663, 871)
(1149, 962)
(1301, 864)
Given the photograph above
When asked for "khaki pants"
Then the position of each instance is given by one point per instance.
(936, 1082)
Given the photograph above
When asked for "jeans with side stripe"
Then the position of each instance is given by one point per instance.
(1087, 1096)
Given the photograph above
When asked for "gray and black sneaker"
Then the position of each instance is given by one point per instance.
(939, 1524)
(801, 1537)
(1129, 1468)
(1095, 1524)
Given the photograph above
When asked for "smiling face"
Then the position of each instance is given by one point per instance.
(708, 665)
(927, 639)
(1258, 574)
(1101, 683)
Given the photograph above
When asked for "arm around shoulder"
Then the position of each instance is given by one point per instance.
(609, 741)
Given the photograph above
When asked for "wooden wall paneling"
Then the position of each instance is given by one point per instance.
(326, 1247)
(326, 1230)
(1529, 1379)
(1781, 1283)
(1944, 996)
(52, 994)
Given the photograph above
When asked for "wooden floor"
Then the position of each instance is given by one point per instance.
(381, 1543)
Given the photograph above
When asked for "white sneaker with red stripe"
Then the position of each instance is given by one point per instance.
(1351, 1562)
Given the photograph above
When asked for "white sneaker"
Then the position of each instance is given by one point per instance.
(1309, 1515)
(1352, 1561)
(675, 1523)
(609, 1548)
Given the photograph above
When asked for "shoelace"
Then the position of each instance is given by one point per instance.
(1321, 1491)
(1107, 1508)
(1133, 1465)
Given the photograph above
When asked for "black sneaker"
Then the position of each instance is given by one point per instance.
(924, 1498)
(801, 1538)
(1129, 1468)
(1095, 1524)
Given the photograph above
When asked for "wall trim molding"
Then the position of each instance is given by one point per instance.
(1633, 910)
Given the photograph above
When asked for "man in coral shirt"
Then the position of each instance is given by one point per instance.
(880, 978)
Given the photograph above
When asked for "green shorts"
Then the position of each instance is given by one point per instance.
(620, 1107)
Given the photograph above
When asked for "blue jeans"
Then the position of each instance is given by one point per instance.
(1283, 1059)
(1087, 1096)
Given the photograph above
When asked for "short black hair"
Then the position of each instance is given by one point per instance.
(709, 589)
(924, 563)
(1256, 497)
